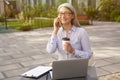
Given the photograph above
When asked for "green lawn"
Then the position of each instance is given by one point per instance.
(34, 24)
(20, 25)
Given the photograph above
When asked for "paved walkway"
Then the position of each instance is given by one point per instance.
(21, 51)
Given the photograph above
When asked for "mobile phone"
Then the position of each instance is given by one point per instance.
(60, 24)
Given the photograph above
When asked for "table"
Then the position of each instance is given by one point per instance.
(91, 75)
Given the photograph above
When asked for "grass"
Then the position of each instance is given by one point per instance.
(14, 24)
(42, 23)
(34, 24)
(20, 25)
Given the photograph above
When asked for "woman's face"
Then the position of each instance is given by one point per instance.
(65, 15)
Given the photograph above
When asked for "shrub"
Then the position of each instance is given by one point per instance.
(25, 27)
(41, 23)
(29, 25)
(2, 18)
(27, 13)
(8, 11)
(84, 22)
(106, 8)
(52, 12)
(38, 9)
(117, 19)
(91, 13)
(115, 13)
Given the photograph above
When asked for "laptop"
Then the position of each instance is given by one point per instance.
(70, 69)
(37, 72)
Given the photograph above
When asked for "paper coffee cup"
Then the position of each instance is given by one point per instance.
(65, 40)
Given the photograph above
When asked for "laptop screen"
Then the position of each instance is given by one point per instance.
(70, 68)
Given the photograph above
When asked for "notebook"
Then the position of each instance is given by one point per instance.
(37, 72)
(69, 69)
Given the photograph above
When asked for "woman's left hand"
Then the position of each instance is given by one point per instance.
(67, 47)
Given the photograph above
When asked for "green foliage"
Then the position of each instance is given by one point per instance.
(10, 11)
(26, 15)
(38, 9)
(41, 23)
(115, 14)
(84, 22)
(2, 18)
(106, 9)
(31, 24)
(25, 27)
(14, 13)
(28, 12)
(90, 12)
(81, 8)
(117, 19)
(52, 12)
(14, 24)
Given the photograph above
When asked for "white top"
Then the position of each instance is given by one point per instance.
(78, 39)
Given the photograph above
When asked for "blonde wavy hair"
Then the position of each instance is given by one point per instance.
(72, 9)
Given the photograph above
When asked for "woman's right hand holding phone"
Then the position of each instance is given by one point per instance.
(56, 25)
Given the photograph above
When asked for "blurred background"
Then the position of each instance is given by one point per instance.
(31, 14)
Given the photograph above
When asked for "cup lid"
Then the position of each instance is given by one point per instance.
(66, 39)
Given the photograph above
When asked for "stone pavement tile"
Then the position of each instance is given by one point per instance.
(41, 47)
(115, 52)
(38, 62)
(24, 48)
(101, 72)
(16, 72)
(31, 51)
(115, 76)
(6, 54)
(100, 55)
(1, 76)
(28, 53)
(19, 55)
(37, 39)
(13, 78)
(3, 58)
(44, 51)
(115, 59)
(13, 50)
(100, 63)
(1, 49)
(13, 61)
(98, 39)
(9, 67)
(113, 68)
(106, 51)
(42, 56)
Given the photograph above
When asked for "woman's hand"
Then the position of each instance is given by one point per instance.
(67, 47)
(56, 25)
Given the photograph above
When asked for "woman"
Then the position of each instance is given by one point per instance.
(67, 25)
